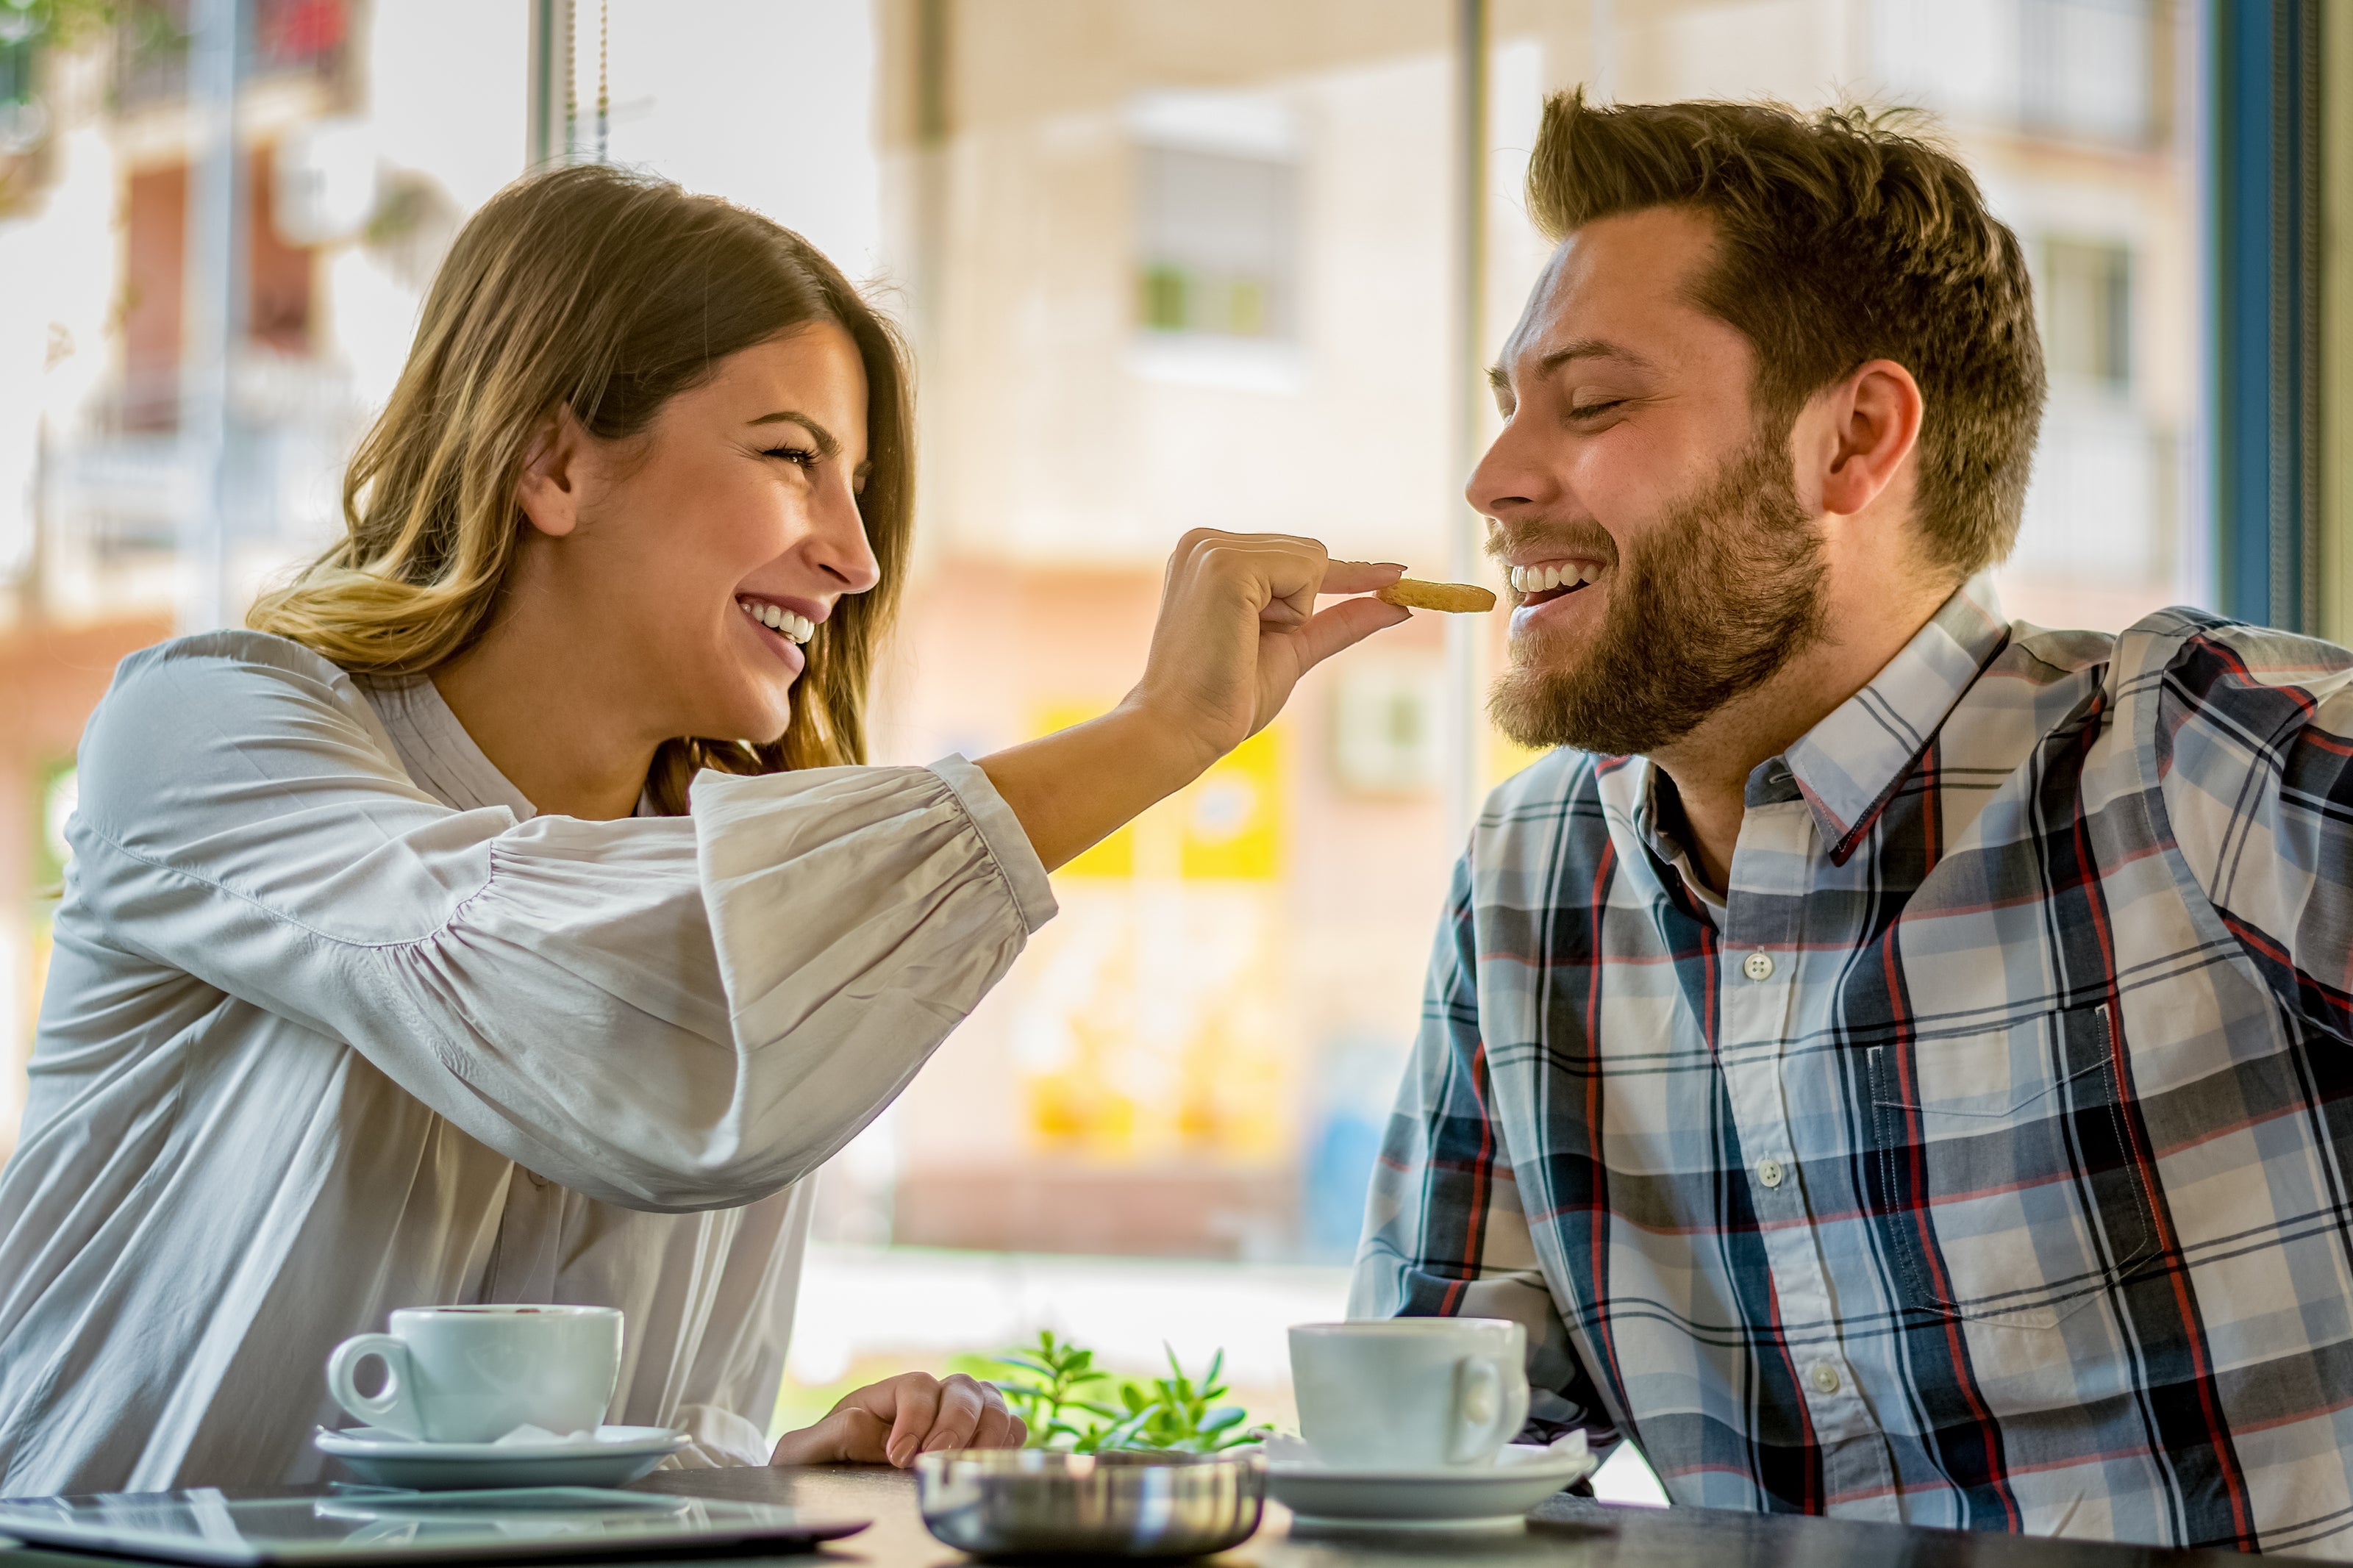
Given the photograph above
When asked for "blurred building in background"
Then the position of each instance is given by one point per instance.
(1179, 267)
(99, 475)
(1166, 266)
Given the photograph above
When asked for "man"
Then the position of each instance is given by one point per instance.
(1896, 1063)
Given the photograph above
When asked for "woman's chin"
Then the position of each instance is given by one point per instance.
(760, 711)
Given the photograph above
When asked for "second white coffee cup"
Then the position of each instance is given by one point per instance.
(1410, 1393)
(473, 1374)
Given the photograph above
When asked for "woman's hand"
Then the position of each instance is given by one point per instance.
(1237, 627)
(892, 1421)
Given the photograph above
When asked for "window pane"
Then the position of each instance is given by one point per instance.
(1164, 267)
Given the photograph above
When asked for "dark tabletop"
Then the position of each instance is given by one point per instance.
(1566, 1530)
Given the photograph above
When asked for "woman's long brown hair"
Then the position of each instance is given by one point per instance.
(609, 293)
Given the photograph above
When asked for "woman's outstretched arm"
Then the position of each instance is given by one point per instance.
(1237, 627)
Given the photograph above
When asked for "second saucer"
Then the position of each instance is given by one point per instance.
(615, 1454)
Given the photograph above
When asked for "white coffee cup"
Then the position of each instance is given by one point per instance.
(473, 1374)
(1410, 1393)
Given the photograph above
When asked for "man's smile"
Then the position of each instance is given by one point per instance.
(1544, 581)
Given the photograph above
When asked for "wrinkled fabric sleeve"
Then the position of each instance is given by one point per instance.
(2254, 758)
(665, 1014)
(1444, 1232)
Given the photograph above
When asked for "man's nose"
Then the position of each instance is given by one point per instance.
(839, 541)
(1511, 474)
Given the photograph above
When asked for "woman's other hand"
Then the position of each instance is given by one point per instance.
(1237, 627)
(890, 1422)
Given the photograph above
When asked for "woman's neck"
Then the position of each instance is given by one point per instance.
(541, 713)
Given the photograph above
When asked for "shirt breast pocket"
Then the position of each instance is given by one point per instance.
(2004, 1174)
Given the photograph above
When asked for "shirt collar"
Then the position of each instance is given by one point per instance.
(439, 755)
(1849, 766)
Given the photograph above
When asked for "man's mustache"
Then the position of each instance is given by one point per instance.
(1587, 540)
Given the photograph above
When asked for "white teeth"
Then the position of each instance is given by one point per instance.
(1543, 579)
(777, 618)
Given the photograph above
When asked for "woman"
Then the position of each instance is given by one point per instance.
(421, 945)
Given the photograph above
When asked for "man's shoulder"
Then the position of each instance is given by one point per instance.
(2203, 659)
(1556, 779)
(2178, 666)
(1543, 811)
(2205, 708)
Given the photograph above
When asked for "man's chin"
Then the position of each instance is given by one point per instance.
(1532, 702)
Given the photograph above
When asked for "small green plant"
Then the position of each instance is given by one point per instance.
(1050, 1394)
(1055, 1388)
(1176, 1413)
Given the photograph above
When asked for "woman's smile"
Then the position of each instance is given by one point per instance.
(781, 630)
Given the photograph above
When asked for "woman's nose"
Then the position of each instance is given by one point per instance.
(839, 540)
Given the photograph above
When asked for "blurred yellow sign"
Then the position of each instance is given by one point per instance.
(1150, 1020)
(1233, 814)
(1227, 825)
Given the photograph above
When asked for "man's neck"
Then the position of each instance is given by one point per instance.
(1710, 765)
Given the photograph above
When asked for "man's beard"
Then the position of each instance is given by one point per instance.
(1727, 589)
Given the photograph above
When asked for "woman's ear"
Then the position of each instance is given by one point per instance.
(548, 490)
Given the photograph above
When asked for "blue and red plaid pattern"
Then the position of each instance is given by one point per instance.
(1986, 1158)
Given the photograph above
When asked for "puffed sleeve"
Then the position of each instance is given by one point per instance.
(666, 1014)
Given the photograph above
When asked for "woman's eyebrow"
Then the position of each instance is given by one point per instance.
(827, 446)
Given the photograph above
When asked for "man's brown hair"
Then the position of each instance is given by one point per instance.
(1841, 239)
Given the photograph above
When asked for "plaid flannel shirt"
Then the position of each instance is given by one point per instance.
(1987, 1159)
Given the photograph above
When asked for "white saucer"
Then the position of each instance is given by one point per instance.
(615, 1454)
(1488, 1496)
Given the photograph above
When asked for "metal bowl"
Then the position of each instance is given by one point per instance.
(1030, 1502)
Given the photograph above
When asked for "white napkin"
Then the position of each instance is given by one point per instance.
(1288, 1448)
(1571, 1446)
(533, 1436)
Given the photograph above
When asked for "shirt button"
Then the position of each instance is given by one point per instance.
(1769, 1172)
(1758, 966)
(1825, 1377)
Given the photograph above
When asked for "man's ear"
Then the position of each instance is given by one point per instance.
(1874, 424)
(548, 490)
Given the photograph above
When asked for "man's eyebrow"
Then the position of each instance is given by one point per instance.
(828, 444)
(1583, 348)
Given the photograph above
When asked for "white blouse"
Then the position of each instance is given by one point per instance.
(335, 1024)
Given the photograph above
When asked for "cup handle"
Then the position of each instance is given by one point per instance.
(393, 1407)
(1489, 1407)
